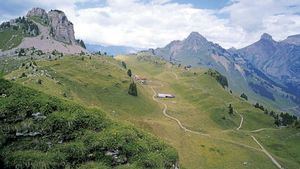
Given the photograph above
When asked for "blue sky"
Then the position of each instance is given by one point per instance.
(208, 4)
(154, 23)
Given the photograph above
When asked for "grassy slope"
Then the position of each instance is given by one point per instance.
(200, 104)
(69, 135)
(10, 38)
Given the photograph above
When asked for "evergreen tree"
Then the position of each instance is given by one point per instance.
(266, 111)
(124, 65)
(230, 109)
(277, 121)
(132, 89)
(243, 95)
(129, 73)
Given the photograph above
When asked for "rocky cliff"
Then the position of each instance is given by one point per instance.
(37, 12)
(61, 28)
(52, 31)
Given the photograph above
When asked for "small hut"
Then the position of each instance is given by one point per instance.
(165, 95)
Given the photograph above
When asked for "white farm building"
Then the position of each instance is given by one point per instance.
(163, 95)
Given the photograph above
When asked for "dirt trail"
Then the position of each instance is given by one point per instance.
(216, 138)
(176, 77)
(262, 129)
(173, 118)
(268, 154)
(241, 123)
(196, 132)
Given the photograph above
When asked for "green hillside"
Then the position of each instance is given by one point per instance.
(196, 122)
(40, 131)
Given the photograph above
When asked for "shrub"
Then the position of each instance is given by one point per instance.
(39, 81)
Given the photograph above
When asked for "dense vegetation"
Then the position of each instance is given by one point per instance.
(39, 131)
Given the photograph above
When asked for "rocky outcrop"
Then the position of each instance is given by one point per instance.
(55, 32)
(60, 27)
(39, 12)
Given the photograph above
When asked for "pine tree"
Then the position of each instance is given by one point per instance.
(124, 65)
(230, 109)
(132, 89)
(243, 95)
(129, 73)
(277, 121)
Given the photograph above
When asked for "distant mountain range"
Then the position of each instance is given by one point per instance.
(112, 50)
(268, 71)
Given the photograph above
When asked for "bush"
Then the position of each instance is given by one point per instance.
(39, 81)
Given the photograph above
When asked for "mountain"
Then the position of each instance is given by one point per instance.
(280, 61)
(294, 39)
(43, 31)
(112, 50)
(246, 69)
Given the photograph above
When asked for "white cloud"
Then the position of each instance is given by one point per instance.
(150, 24)
(279, 18)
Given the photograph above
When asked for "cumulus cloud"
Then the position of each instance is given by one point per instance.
(151, 24)
(154, 23)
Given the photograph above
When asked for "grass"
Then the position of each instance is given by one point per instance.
(10, 38)
(66, 135)
(201, 104)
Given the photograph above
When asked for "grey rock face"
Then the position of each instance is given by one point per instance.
(37, 12)
(61, 28)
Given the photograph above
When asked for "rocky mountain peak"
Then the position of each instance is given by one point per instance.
(195, 36)
(266, 36)
(195, 41)
(61, 28)
(37, 12)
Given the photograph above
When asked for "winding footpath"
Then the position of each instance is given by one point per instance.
(173, 118)
(241, 123)
(262, 129)
(196, 132)
(268, 154)
(262, 149)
